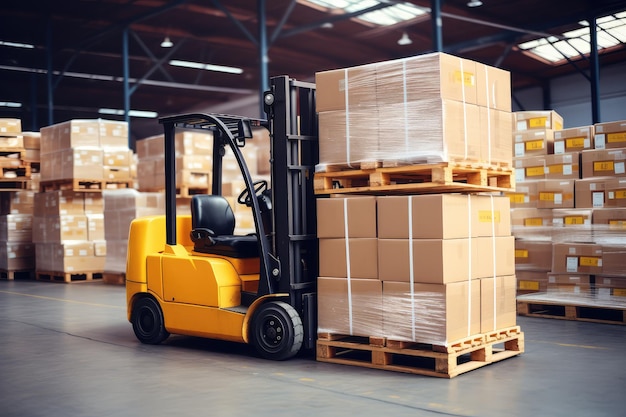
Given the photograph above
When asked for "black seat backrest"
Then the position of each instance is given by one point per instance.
(212, 212)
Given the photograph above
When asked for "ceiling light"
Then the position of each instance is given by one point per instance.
(132, 113)
(405, 40)
(17, 45)
(474, 3)
(167, 43)
(10, 104)
(208, 67)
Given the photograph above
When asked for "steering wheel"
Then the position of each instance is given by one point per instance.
(259, 187)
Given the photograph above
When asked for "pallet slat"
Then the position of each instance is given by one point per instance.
(442, 177)
(68, 277)
(573, 308)
(78, 184)
(430, 360)
(11, 275)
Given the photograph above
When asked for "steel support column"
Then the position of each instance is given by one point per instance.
(435, 15)
(595, 72)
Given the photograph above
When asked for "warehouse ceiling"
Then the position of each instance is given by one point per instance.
(81, 43)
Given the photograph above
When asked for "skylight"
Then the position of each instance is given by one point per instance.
(576, 43)
(386, 16)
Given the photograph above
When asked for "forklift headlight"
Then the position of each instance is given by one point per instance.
(268, 99)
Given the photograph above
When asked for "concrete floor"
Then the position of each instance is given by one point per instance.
(68, 350)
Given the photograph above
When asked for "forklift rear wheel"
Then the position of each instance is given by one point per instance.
(148, 323)
(277, 331)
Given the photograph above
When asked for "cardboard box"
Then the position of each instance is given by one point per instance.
(59, 228)
(59, 202)
(12, 143)
(590, 193)
(490, 215)
(530, 217)
(525, 195)
(360, 254)
(493, 88)
(358, 212)
(17, 202)
(436, 261)
(615, 189)
(95, 227)
(347, 141)
(16, 228)
(436, 314)
(10, 127)
(531, 281)
(541, 119)
(346, 89)
(533, 255)
(17, 256)
(73, 257)
(117, 157)
(607, 287)
(533, 142)
(555, 194)
(556, 167)
(498, 304)
(79, 163)
(116, 253)
(32, 140)
(70, 134)
(113, 134)
(496, 128)
(569, 283)
(610, 135)
(116, 173)
(492, 256)
(614, 259)
(574, 139)
(352, 307)
(579, 258)
(602, 163)
(431, 216)
(609, 216)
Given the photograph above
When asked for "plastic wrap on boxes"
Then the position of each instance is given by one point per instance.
(16, 256)
(426, 108)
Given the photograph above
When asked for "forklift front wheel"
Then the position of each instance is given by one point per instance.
(148, 323)
(277, 331)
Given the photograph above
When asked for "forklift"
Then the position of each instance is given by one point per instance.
(191, 275)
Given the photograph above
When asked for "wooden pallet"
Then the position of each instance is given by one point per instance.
(430, 360)
(570, 307)
(77, 184)
(13, 184)
(114, 278)
(431, 178)
(19, 274)
(16, 173)
(68, 277)
(12, 153)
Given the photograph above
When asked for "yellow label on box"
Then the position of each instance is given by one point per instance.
(590, 261)
(618, 223)
(619, 292)
(535, 171)
(537, 122)
(603, 166)
(534, 145)
(557, 126)
(533, 221)
(521, 253)
(488, 216)
(543, 196)
(528, 285)
(620, 194)
(517, 198)
(575, 143)
(574, 220)
(466, 78)
(555, 169)
(616, 137)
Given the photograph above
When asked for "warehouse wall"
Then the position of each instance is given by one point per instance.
(571, 97)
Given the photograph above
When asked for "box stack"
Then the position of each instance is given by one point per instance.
(431, 268)
(79, 159)
(194, 167)
(120, 208)
(566, 214)
(18, 167)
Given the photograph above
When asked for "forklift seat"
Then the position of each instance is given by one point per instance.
(212, 228)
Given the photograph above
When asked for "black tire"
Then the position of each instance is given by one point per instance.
(148, 323)
(277, 331)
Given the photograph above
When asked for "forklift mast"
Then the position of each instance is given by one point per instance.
(290, 108)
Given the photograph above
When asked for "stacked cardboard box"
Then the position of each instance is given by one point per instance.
(566, 208)
(426, 268)
(17, 252)
(427, 108)
(120, 208)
